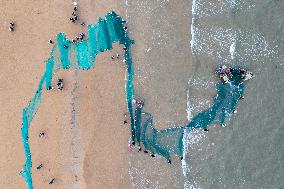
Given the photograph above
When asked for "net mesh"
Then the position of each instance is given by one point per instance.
(165, 142)
(169, 141)
(101, 37)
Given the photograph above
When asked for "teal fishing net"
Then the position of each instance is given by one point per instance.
(169, 141)
(101, 36)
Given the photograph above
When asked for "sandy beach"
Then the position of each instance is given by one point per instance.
(85, 149)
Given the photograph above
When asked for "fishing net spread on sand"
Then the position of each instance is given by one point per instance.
(101, 36)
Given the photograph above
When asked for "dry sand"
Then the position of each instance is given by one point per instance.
(92, 151)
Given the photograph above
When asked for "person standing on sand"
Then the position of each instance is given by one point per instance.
(51, 181)
(72, 19)
(125, 118)
(11, 27)
(129, 146)
(75, 4)
(41, 134)
(39, 167)
(74, 16)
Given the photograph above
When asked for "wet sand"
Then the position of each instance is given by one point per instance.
(85, 148)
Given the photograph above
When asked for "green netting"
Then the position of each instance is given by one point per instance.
(64, 48)
(92, 41)
(27, 116)
(147, 132)
(49, 69)
(169, 142)
(111, 22)
(137, 123)
(103, 39)
(83, 55)
(101, 36)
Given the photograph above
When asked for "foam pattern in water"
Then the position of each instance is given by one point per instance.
(219, 43)
(213, 7)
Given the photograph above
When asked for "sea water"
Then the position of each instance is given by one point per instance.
(178, 45)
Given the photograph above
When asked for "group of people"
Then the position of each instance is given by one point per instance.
(113, 56)
(78, 38)
(224, 73)
(74, 17)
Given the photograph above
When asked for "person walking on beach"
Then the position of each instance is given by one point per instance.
(82, 35)
(125, 118)
(75, 4)
(51, 181)
(39, 167)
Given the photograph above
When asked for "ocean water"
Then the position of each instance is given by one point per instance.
(178, 45)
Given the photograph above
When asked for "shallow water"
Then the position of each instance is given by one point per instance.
(161, 78)
(247, 153)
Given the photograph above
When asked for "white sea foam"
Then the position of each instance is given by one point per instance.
(219, 43)
(232, 50)
(190, 185)
(224, 44)
(202, 9)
